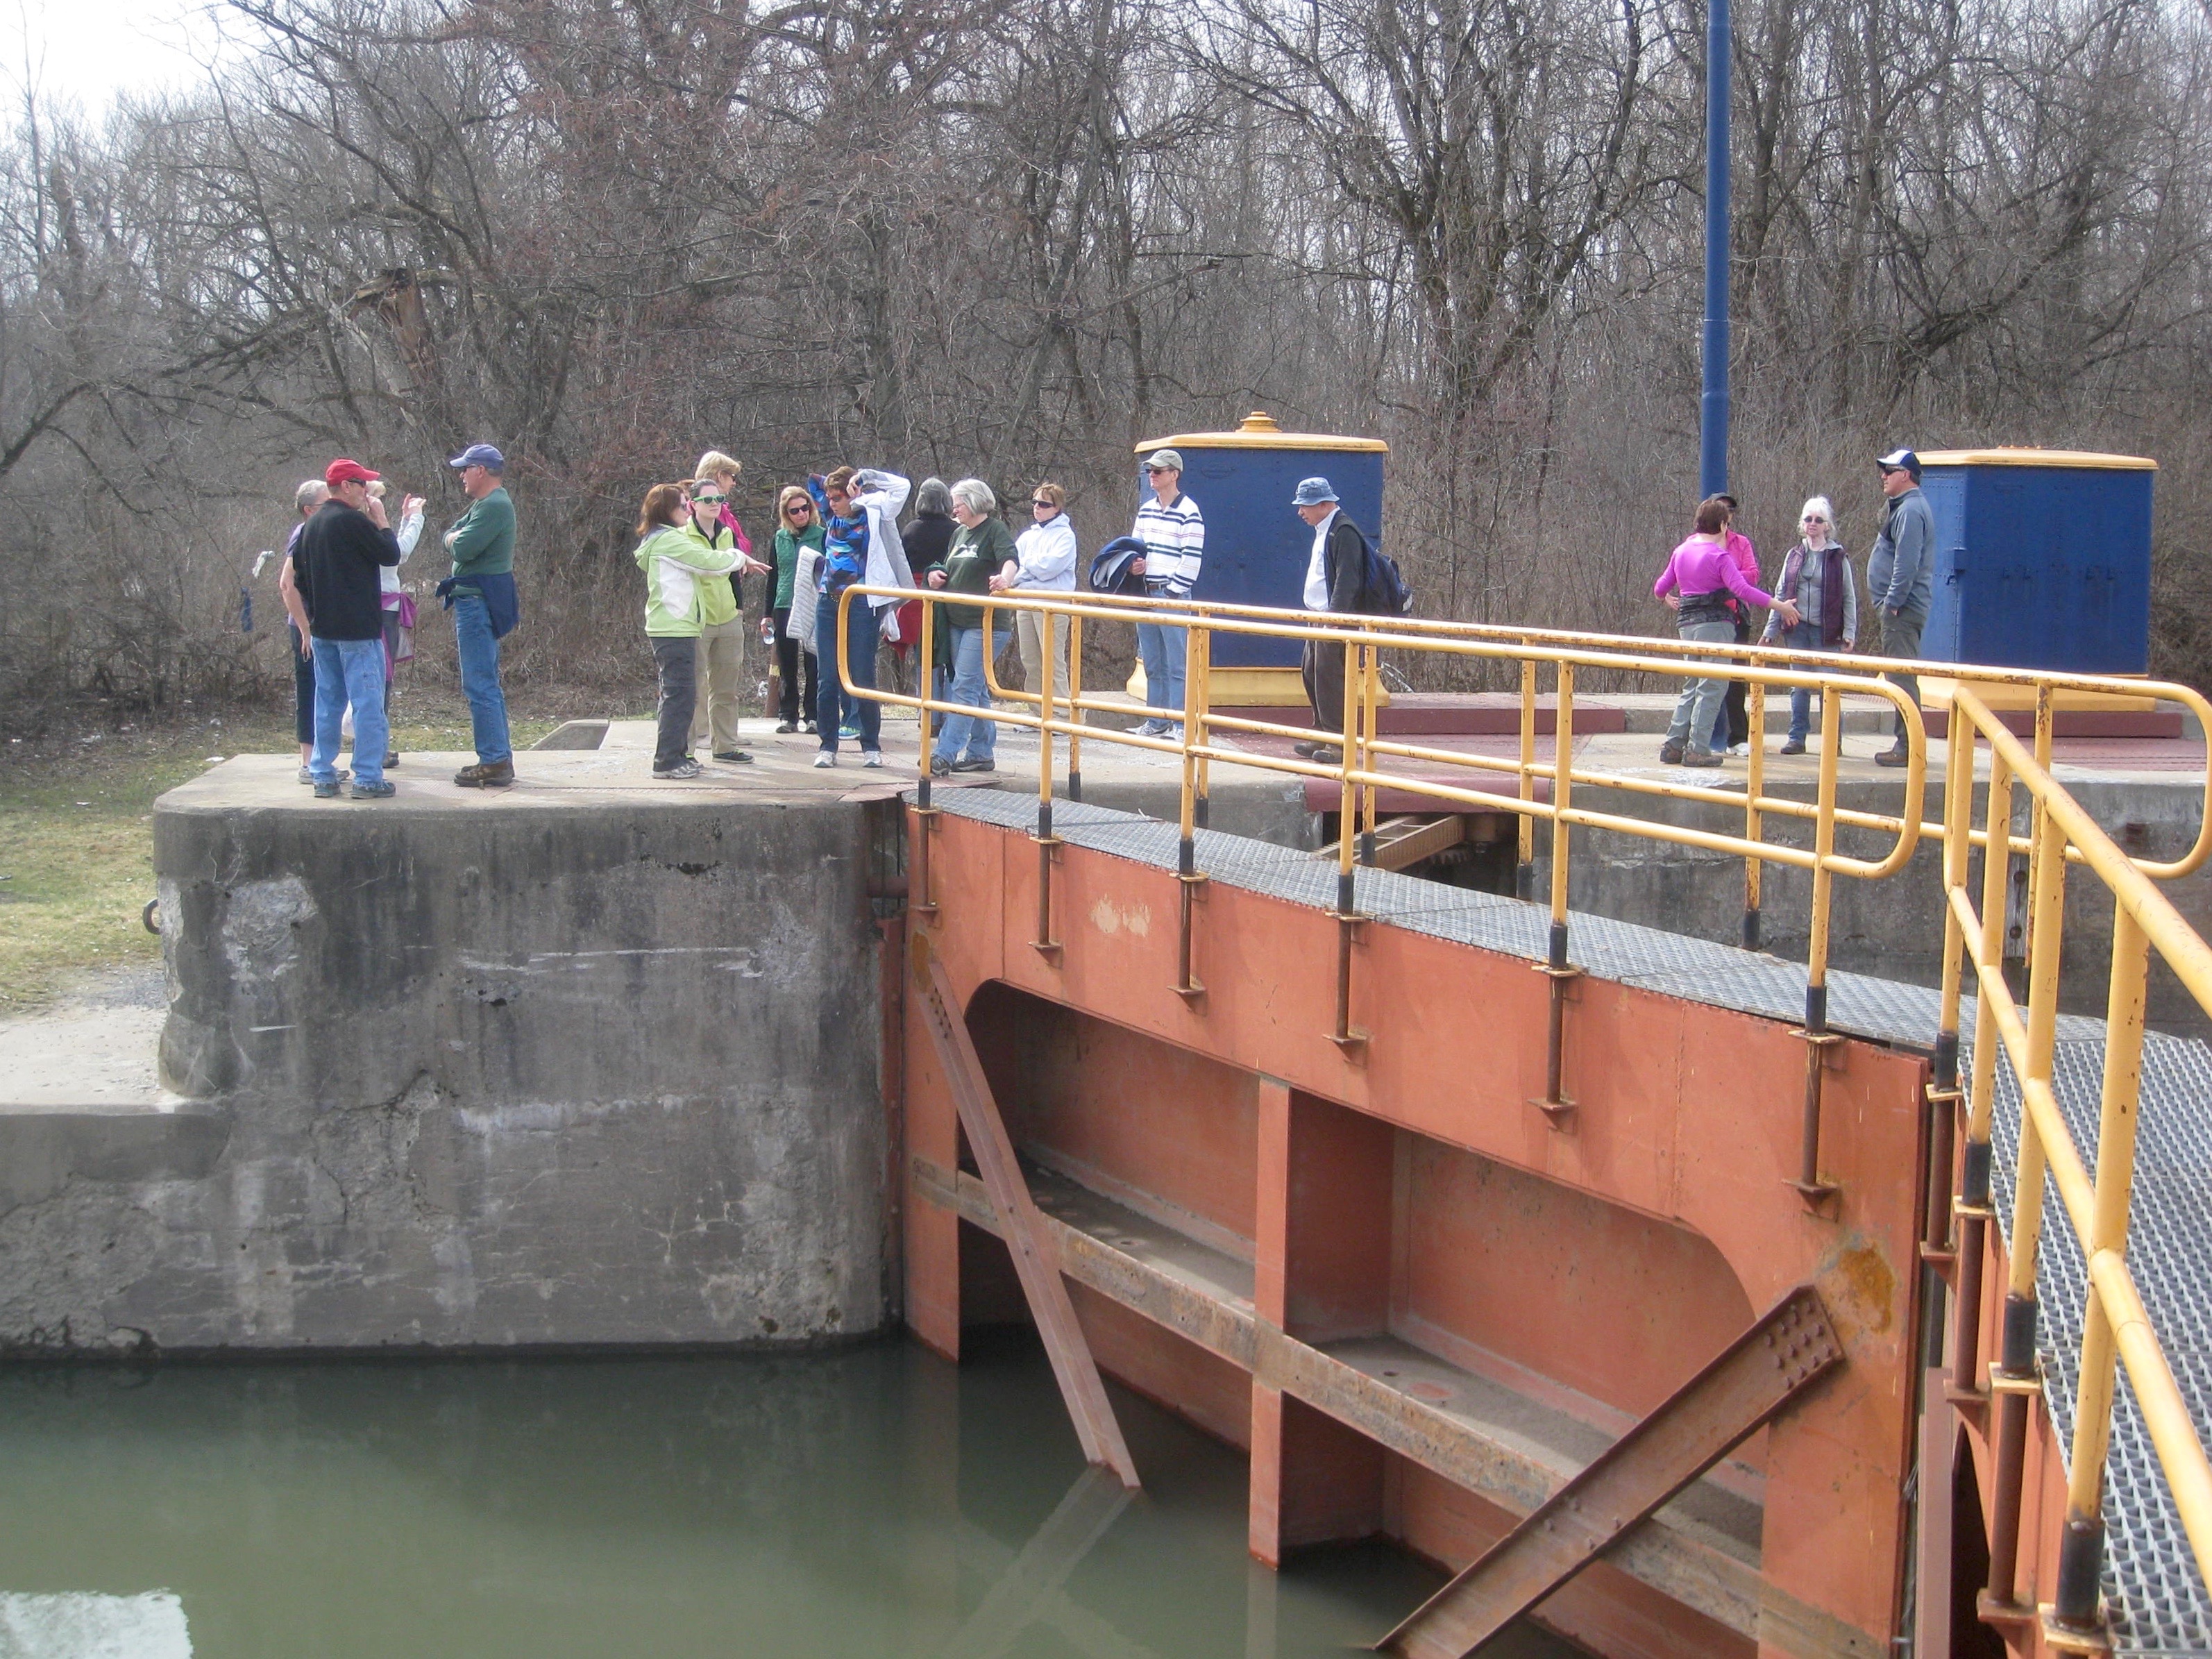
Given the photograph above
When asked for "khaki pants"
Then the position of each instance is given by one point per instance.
(721, 681)
(1028, 634)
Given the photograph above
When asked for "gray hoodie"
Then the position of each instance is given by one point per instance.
(1901, 568)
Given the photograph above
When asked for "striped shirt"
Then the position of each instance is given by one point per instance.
(1174, 543)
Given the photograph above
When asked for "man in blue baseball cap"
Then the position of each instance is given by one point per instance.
(1901, 577)
(481, 595)
(1334, 573)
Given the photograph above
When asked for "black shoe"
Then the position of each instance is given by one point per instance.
(497, 775)
(1895, 757)
(974, 763)
(1670, 753)
(1794, 746)
(391, 760)
(686, 767)
(734, 756)
(785, 728)
(940, 769)
(372, 791)
(327, 791)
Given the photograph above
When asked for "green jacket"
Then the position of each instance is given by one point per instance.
(787, 558)
(677, 565)
(482, 541)
(718, 594)
(975, 555)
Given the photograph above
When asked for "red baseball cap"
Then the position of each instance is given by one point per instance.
(342, 472)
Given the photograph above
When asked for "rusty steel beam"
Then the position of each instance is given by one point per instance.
(1754, 1378)
(1932, 1607)
(1035, 1259)
(1673, 1560)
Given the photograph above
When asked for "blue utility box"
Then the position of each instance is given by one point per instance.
(2042, 559)
(1256, 546)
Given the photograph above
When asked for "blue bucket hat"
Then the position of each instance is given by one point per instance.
(482, 455)
(1312, 492)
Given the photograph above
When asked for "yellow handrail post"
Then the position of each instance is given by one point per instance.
(1818, 1038)
(1347, 1039)
(1370, 714)
(1187, 877)
(1974, 1210)
(1197, 718)
(2082, 1546)
(1074, 705)
(918, 901)
(1943, 1095)
(1047, 843)
(1558, 971)
(2014, 1379)
(1754, 788)
(1524, 869)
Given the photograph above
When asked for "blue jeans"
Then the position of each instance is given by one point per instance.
(1161, 648)
(968, 686)
(1805, 637)
(862, 633)
(1700, 699)
(479, 653)
(349, 671)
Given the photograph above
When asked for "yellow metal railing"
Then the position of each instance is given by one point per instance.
(2060, 835)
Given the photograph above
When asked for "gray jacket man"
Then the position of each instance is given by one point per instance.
(1334, 573)
(1901, 575)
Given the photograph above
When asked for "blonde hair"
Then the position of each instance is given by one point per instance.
(784, 497)
(1052, 493)
(376, 489)
(716, 464)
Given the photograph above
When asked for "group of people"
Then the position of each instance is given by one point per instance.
(1712, 583)
(350, 619)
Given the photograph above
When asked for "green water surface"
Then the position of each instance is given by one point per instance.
(873, 1501)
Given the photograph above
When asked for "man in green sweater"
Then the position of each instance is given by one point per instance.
(481, 595)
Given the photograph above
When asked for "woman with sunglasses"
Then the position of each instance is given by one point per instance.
(721, 606)
(1816, 577)
(1043, 563)
(797, 526)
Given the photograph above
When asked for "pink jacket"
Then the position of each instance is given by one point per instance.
(1699, 567)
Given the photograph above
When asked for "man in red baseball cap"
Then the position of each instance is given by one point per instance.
(335, 567)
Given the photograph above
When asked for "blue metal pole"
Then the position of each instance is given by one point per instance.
(1713, 423)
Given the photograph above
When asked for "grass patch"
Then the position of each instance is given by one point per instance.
(76, 829)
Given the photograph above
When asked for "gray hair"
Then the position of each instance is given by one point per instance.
(1817, 504)
(976, 495)
(932, 496)
(313, 493)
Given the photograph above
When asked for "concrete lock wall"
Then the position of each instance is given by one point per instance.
(493, 1077)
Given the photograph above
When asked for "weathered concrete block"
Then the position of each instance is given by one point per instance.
(533, 1070)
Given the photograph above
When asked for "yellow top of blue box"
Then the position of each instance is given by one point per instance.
(1258, 430)
(2032, 457)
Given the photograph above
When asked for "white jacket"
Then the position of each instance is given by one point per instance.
(1044, 556)
(881, 495)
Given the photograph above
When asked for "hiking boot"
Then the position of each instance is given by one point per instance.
(497, 775)
(939, 767)
(326, 791)
(1699, 757)
(1896, 756)
(391, 760)
(380, 790)
(1793, 746)
(734, 756)
(1670, 752)
(682, 769)
(975, 763)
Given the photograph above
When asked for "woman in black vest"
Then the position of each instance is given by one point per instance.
(1816, 576)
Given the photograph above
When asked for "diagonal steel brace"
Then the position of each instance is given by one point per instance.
(1754, 1378)
(1036, 1260)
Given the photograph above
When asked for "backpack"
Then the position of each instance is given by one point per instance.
(1382, 589)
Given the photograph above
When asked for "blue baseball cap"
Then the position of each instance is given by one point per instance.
(482, 455)
(1312, 492)
(1900, 460)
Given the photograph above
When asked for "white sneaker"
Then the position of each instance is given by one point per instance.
(1151, 729)
(872, 757)
(1740, 750)
(823, 757)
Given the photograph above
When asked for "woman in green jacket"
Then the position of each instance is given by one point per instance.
(980, 547)
(675, 558)
(796, 527)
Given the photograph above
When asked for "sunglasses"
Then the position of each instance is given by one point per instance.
(706, 500)
(1812, 518)
(1041, 502)
(796, 509)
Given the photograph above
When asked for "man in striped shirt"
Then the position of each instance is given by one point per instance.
(1174, 535)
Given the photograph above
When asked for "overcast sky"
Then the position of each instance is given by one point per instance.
(87, 51)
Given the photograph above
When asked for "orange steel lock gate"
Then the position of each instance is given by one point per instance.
(1607, 1285)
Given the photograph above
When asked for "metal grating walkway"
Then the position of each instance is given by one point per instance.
(2160, 1604)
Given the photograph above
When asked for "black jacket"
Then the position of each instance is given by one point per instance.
(1341, 566)
(335, 567)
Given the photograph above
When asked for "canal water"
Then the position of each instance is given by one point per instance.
(869, 1502)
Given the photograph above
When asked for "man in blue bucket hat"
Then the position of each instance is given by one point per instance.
(1334, 575)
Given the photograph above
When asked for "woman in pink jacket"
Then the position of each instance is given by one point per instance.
(1702, 577)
